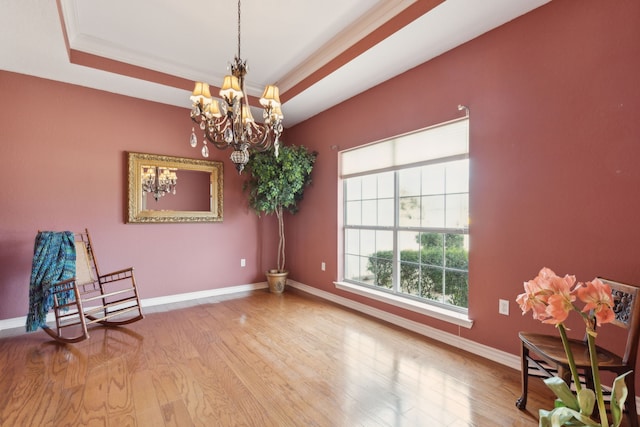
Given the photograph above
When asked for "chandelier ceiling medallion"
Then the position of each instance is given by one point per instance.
(229, 123)
(159, 181)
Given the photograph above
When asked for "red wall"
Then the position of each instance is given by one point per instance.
(554, 147)
(64, 167)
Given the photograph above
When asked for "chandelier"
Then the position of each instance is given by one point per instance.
(159, 181)
(229, 123)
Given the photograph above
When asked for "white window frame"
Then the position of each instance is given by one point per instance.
(440, 143)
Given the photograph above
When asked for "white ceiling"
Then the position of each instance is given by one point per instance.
(318, 52)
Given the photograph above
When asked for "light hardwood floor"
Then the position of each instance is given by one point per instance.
(256, 360)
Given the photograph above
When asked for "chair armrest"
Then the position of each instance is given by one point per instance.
(63, 286)
(64, 282)
(114, 276)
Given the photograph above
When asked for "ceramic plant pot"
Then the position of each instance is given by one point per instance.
(276, 280)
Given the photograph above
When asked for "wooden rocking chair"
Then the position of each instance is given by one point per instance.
(108, 299)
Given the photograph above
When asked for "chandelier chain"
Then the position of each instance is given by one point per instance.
(239, 29)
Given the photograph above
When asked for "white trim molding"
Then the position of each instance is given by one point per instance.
(490, 353)
(190, 296)
(443, 314)
(487, 352)
(20, 322)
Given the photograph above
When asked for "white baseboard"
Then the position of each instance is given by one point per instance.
(20, 322)
(487, 352)
(490, 353)
(171, 299)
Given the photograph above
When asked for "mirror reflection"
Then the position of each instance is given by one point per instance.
(163, 189)
(159, 181)
(174, 189)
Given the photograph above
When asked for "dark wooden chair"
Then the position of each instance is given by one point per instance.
(108, 299)
(543, 355)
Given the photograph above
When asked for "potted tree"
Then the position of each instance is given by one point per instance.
(276, 182)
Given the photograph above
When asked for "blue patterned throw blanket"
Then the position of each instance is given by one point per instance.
(54, 260)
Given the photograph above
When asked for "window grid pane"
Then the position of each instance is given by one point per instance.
(428, 242)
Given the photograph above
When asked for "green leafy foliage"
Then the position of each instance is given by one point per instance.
(619, 395)
(576, 410)
(421, 272)
(278, 182)
(564, 393)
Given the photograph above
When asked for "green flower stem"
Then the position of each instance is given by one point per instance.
(593, 356)
(570, 359)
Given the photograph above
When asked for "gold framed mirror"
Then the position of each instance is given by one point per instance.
(164, 189)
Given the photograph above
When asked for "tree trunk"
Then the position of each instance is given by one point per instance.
(280, 239)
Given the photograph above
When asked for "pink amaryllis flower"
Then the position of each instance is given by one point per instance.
(537, 292)
(546, 274)
(549, 296)
(560, 303)
(597, 297)
(534, 298)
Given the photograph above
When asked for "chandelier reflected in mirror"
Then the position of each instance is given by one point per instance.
(228, 123)
(159, 181)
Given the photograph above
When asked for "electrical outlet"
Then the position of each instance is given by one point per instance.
(323, 266)
(503, 307)
(243, 262)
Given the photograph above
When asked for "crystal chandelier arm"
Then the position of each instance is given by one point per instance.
(260, 137)
(214, 131)
(228, 130)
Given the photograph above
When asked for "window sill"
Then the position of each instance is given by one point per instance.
(439, 313)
